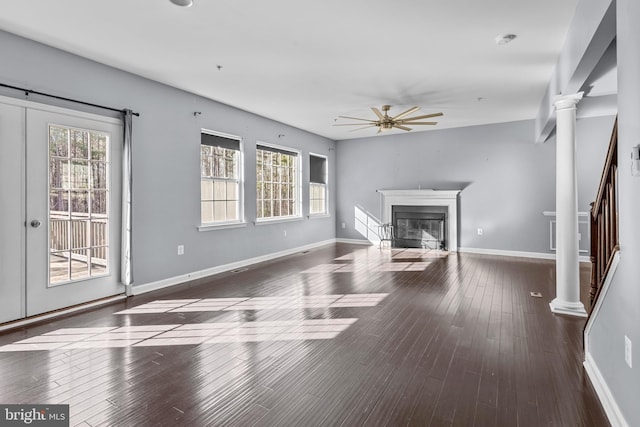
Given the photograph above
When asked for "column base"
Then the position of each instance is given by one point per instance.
(569, 308)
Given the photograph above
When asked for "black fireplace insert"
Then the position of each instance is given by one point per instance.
(420, 227)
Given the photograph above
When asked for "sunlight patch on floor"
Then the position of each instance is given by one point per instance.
(183, 334)
(257, 303)
(372, 267)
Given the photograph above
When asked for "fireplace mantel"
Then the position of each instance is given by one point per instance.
(447, 198)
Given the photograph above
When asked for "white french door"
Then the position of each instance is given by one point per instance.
(12, 266)
(67, 192)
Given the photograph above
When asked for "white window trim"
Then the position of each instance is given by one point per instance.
(326, 213)
(278, 219)
(221, 226)
(241, 222)
(288, 218)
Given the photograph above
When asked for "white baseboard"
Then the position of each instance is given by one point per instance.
(482, 251)
(354, 241)
(603, 294)
(62, 312)
(171, 281)
(537, 255)
(604, 394)
(602, 389)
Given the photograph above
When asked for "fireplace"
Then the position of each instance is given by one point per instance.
(420, 226)
(437, 204)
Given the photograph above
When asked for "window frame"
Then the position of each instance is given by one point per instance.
(297, 154)
(240, 221)
(325, 212)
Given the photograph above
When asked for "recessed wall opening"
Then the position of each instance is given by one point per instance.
(420, 226)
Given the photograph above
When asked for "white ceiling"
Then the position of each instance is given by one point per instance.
(304, 63)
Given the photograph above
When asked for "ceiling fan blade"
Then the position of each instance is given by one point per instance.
(378, 113)
(426, 116)
(406, 113)
(356, 118)
(353, 124)
(418, 123)
(401, 127)
(365, 127)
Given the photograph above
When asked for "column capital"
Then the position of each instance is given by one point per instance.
(562, 102)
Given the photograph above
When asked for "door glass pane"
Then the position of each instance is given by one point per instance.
(78, 204)
(98, 204)
(79, 264)
(58, 141)
(59, 267)
(79, 174)
(59, 238)
(79, 144)
(99, 233)
(59, 202)
(98, 175)
(79, 235)
(98, 146)
(58, 171)
(99, 261)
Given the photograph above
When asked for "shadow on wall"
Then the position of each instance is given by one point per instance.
(366, 224)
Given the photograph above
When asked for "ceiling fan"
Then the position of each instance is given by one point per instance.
(385, 122)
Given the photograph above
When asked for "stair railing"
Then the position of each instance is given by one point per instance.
(604, 220)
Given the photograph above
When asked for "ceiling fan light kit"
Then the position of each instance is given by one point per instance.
(385, 122)
(183, 3)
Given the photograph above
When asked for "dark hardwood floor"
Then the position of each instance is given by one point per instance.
(445, 340)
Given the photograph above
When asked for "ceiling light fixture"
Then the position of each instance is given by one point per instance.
(385, 122)
(505, 38)
(183, 3)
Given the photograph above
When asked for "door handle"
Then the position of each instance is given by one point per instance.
(36, 223)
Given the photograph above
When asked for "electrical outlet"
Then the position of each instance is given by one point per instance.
(180, 249)
(480, 231)
(344, 225)
(627, 351)
(285, 233)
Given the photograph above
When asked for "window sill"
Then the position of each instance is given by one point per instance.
(221, 226)
(319, 216)
(268, 221)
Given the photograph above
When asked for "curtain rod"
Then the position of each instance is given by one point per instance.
(29, 91)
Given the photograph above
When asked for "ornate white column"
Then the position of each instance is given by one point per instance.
(567, 299)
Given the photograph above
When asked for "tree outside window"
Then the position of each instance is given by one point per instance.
(276, 182)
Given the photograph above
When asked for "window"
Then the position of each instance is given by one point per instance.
(317, 184)
(276, 182)
(220, 178)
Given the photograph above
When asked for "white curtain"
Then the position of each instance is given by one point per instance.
(126, 273)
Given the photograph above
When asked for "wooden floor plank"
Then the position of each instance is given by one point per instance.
(456, 340)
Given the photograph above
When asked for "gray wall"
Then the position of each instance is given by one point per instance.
(507, 181)
(166, 153)
(620, 314)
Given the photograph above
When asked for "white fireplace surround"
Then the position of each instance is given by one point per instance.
(448, 198)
